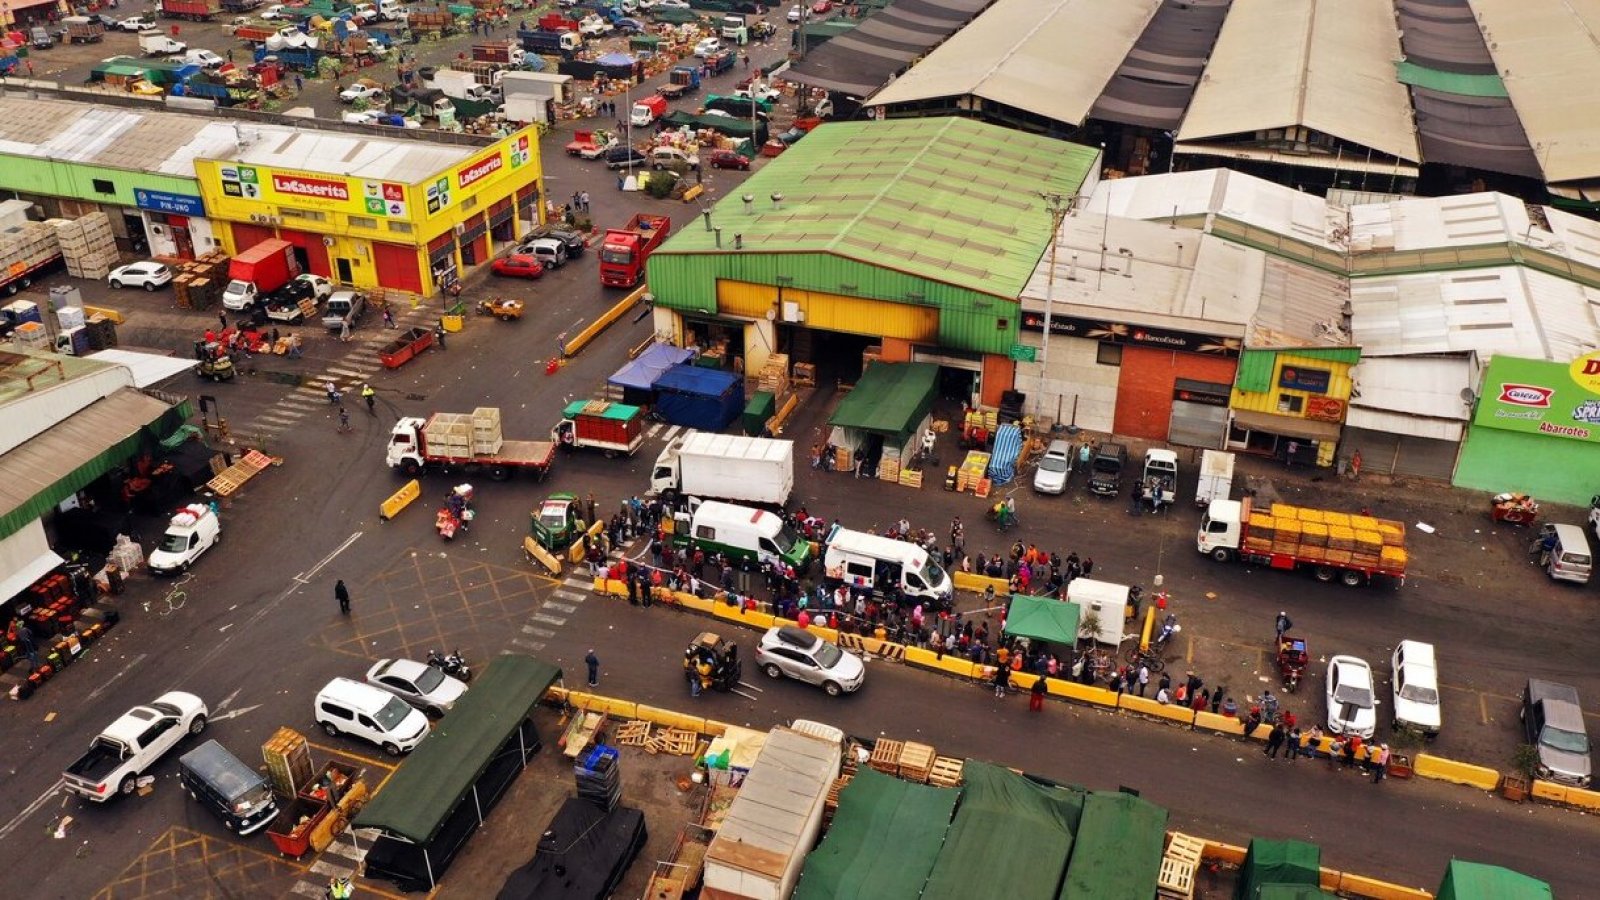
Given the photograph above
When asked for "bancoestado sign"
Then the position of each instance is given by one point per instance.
(1538, 397)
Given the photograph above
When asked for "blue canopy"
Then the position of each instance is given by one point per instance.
(698, 397)
(641, 373)
(615, 59)
(1003, 461)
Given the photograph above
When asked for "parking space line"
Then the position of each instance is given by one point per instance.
(1483, 707)
(371, 761)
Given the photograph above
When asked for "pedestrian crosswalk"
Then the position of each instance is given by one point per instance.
(553, 613)
(342, 859)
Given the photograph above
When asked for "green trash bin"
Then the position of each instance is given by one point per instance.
(758, 411)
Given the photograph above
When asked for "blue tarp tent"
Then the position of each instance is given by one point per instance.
(697, 397)
(638, 378)
(1003, 462)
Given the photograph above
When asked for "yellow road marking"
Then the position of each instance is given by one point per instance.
(337, 751)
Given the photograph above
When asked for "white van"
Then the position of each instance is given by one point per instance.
(862, 560)
(1569, 560)
(753, 536)
(191, 532)
(1416, 688)
(361, 710)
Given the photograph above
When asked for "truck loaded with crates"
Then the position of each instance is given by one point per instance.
(624, 251)
(26, 251)
(193, 10)
(615, 428)
(1355, 549)
(467, 443)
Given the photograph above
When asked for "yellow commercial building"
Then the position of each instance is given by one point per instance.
(374, 210)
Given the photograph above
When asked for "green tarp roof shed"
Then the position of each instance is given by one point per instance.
(437, 775)
(1118, 851)
(1043, 618)
(620, 412)
(883, 841)
(889, 398)
(1476, 881)
(1011, 838)
(1278, 863)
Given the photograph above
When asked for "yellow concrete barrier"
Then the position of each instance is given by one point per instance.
(669, 719)
(1215, 722)
(1549, 790)
(1147, 707)
(955, 665)
(1439, 769)
(113, 315)
(536, 552)
(1582, 797)
(1084, 693)
(698, 604)
(967, 581)
(576, 343)
(1228, 853)
(1362, 886)
(626, 709)
(399, 500)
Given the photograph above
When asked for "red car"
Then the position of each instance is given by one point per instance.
(822, 6)
(518, 265)
(727, 159)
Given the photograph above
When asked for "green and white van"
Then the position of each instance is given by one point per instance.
(752, 536)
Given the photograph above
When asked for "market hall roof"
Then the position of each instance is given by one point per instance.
(150, 140)
(1053, 59)
(864, 59)
(1323, 65)
(949, 200)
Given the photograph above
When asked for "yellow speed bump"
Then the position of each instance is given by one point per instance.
(399, 500)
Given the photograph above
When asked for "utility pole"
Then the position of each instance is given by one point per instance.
(1058, 206)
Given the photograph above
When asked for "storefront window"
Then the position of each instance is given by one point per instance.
(1289, 404)
(363, 222)
(400, 227)
(1108, 354)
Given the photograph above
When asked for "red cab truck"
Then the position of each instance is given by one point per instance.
(615, 428)
(624, 250)
(258, 272)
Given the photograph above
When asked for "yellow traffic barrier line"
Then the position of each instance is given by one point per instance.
(593, 330)
(371, 761)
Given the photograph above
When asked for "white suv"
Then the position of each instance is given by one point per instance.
(801, 655)
(1416, 688)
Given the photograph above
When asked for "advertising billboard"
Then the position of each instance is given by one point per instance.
(1538, 397)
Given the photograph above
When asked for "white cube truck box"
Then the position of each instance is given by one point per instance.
(726, 467)
(193, 531)
(775, 819)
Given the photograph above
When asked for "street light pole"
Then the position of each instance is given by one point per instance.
(1058, 207)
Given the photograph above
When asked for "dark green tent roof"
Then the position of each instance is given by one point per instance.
(437, 775)
(1118, 851)
(1043, 618)
(1011, 837)
(889, 398)
(1278, 863)
(1477, 881)
(882, 843)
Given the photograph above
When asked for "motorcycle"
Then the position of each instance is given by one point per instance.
(452, 664)
(1292, 661)
(1169, 628)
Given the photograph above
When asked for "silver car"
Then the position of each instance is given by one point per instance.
(418, 684)
(801, 655)
(1054, 468)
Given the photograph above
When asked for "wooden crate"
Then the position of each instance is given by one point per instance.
(886, 756)
(916, 761)
(805, 375)
(1176, 879)
(945, 772)
(1183, 846)
(833, 791)
(288, 758)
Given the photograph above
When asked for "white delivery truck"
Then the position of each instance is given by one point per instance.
(869, 561)
(775, 819)
(1216, 477)
(1107, 603)
(726, 467)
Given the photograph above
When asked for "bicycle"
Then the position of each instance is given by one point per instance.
(174, 600)
(1151, 658)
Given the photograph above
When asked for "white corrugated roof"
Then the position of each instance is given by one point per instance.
(168, 142)
(1404, 423)
(1508, 309)
(1150, 274)
(1243, 198)
(1546, 53)
(1421, 223)
(1052, 58)
(1327, 65)
(1428, 386)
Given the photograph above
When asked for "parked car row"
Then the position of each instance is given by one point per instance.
(546, 247)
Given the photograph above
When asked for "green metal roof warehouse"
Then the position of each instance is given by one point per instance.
(919, 229)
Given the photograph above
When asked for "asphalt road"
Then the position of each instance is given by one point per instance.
(261, 630)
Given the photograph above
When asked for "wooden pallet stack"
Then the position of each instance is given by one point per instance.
(805, 375)
(1176, 878)
(945, 772)
(288, 758)
(198, 283)
(889, 469)
(87, 245)
(774, 376)
(886, 756)
(916, 762)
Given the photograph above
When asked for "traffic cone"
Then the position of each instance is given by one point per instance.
(553, 366)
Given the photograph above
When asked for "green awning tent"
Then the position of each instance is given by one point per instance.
(1118, 850)
(1044, 619)
(890, 399)
(440, 794)
(1011, 837)
(1278, 863)
(1476, 881)
(883, 841)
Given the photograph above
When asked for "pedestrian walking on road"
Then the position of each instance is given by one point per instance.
(344, 331)
(438, 334)
(1294, 743)
(371, 396)
(333, 392)
(1274, 741)
(1380, 763)
(222, 319)
(593, 510)
(25, 640)
(298, 83)
(1036, 696)
(388, 318)
(1283, 624)
(344, 419)
(342, 594)
(1002, 680)
(1144, 678)
(593, 663)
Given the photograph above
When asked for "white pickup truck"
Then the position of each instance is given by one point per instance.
(132, 744)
